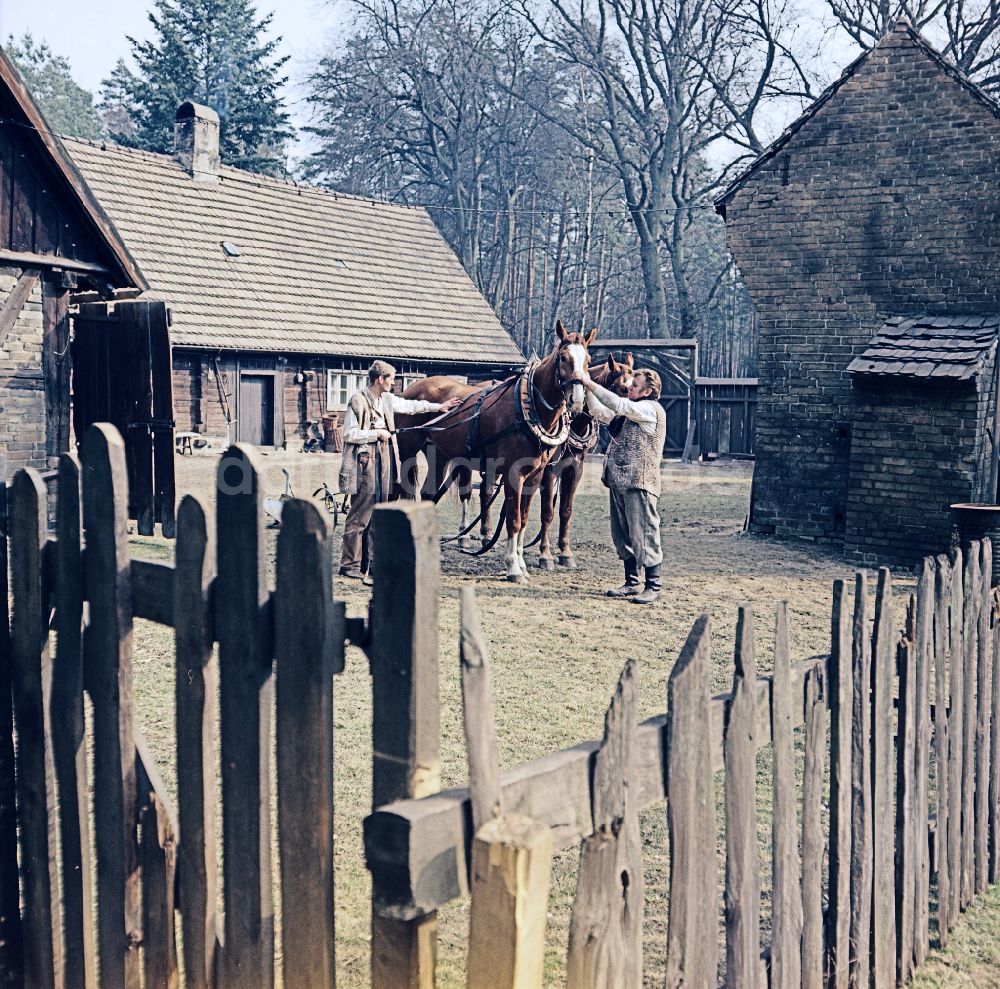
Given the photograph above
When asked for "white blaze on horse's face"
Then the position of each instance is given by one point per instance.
(578, 356)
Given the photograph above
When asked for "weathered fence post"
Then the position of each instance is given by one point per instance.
(995, 742)
(984, 702)
(908, 829)
(68, 742)
(812, 829)
(786, 918)
(942, 758)
(956, 744)
(692, 959)
(841, 691)
(107, 648)
(605, 933)
(511, 855)
(742, 853)
(308, 654)
(196, 690)
(924, 644)
(32, 678)
(862, 813)
(972, 600)
(245, 672)
(406, 730)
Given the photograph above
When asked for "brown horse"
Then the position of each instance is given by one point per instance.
(562, 474)
(509, 430)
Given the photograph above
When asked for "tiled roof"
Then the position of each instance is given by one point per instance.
(317, 272)
(952, 347)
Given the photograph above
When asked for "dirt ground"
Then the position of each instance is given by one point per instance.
(558, 647)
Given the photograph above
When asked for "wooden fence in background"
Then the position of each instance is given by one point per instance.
(726, 410)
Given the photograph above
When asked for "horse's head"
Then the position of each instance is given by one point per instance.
(572, 361)
(619, 375)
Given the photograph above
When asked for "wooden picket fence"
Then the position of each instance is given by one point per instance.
(900, 800)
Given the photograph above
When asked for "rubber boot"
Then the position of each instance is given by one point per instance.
(653, 587)
(631, 585)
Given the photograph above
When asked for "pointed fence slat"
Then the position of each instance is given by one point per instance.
(786, 896)
(924, 646)
(11, 957)
(742, 852)
(970, 633)
(196, 690)
(69, 747)
(942, 760)
(692, 961)
(32, 676)
(995, 744)
(841, 692)
(812, 831)
(247, 692)
(956, 734)
(107, 648)
(605, 932)
(305, 663)
(984, 702)
(862, 813)
(907, 827)
(511, 854)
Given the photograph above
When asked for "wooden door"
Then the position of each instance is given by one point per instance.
(256, 411)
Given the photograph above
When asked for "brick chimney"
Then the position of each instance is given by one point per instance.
(196, 141)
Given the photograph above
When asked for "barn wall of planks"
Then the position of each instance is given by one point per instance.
(858, 896)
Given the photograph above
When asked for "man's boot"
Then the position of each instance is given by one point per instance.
(653, 587)
(631, 585)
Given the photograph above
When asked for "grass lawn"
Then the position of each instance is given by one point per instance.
(558, 647)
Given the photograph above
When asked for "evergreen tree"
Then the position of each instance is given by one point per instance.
(117, 105)
(67, 107)
(212, 52)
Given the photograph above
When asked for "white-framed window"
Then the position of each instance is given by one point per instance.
(341, 385)
(408, 379)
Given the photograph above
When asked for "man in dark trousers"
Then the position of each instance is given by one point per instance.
(638, 428)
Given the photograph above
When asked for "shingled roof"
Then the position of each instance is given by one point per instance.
(316, 273)
(952, 347)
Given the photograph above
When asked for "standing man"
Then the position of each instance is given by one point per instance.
(371, 458)
(638, 427)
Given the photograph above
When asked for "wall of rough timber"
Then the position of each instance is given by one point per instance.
(885, 202)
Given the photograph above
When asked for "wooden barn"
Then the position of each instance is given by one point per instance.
(868, 238)
(280, 295)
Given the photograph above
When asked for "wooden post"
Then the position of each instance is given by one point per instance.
(862, 813)
(11, 957)
(812, 831)
(995, 745)
(692, 933)
(883, 885)
(742, 853)
(69, 747)
(956, 745)
(972, 601)
(924, 645)
(32, 680)
(942, 758)
(107, 648)
(196, 690)
(406, 731)
(247, 693)
(908, 830)
(841, 692)
(605, 933)
(786, 918)
(308, 654)
(511, 854)
(984, 703)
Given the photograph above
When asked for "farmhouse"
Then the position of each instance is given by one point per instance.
(867, 236)
(281, 294)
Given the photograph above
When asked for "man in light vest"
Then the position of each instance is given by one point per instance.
(371, 458)
(638, 428)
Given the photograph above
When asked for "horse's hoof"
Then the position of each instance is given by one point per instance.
(545, 563)
(568, 561)
(464, 542)
(515, 578)
(484, 542)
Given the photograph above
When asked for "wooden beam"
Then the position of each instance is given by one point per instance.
(638, 343)
(29, 258)
(418, 850)
(15, 303)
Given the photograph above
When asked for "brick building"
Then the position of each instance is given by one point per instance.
(867, 236)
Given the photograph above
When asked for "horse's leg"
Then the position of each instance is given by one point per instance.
(568, 483)
(548, 500)
(464, 477)
(512, 502)
(487, 485)
(530, 486)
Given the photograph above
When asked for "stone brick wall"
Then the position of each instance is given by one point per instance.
(22, 387)
(884, 202)
(916, 450)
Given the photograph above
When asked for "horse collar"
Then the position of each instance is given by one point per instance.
(526, 395)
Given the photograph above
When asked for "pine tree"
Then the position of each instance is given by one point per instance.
(212, 52)
(67, 107)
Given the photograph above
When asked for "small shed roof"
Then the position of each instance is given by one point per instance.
(254, 263)
(938, 347)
